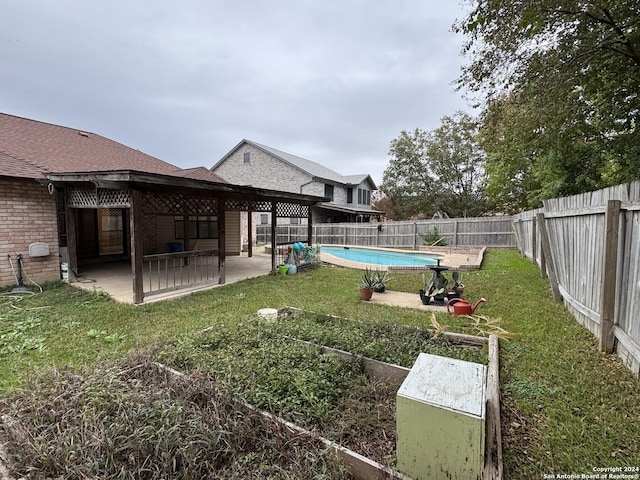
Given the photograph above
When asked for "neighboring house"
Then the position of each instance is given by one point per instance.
(75, 197)
(250, 163)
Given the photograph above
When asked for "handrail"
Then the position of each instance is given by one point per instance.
(167, 272)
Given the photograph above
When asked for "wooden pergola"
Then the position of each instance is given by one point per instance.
(150, 194)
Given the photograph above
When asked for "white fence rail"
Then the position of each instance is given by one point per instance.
(593, 258)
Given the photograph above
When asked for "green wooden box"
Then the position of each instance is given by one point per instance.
(441, 419)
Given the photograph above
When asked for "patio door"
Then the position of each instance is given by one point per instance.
(110, 231)
(102, 233)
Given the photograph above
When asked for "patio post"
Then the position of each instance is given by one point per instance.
(309, 227)
(274, 243)
(135, 223)
(72, 251)
(222, 248)
(249, 234)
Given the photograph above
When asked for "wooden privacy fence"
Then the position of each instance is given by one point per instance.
(589, 245)
(481, 231)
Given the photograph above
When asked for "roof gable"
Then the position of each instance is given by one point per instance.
(200, 173)
(310, 167)
(358, 179)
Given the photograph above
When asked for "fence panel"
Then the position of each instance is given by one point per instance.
(576, 229)
(482, 231)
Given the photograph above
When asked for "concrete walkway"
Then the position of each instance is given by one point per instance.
(114, 279)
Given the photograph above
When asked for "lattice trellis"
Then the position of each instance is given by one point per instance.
(111, 197)
(113, 212)
(177, 204)
(292, 210)
(83, 197)
(261, 207)
(246, 205)
(92, 197)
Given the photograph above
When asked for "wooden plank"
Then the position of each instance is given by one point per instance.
(546, 248)
(274, 235)
(575, 212)
(583, 309)
(493, 466)
(250, 233)
(375, 369)
(222, 241)
(543, 264)
(359, 466)
(72, 239)
(632, 347)
(310, 228)
(609, 273)
(534, 241)
(136, 229)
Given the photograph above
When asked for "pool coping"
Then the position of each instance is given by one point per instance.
(463, 258)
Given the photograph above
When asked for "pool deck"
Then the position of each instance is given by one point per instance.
(403, 299)
(463, 258)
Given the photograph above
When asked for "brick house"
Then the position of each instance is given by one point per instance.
(250, 163)
(75, 197)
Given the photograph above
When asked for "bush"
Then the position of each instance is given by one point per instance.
(431, 237)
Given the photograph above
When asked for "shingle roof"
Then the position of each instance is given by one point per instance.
(312, 168)
(200, 173)
(357, 179)
(32, 149)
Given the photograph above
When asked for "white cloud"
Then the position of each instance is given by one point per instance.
(332, 81)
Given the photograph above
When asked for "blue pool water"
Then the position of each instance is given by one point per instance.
(379, 257)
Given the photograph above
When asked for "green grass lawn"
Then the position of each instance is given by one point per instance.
(566, 408)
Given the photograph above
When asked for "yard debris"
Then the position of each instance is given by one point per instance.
(486, 326)
(132, 419)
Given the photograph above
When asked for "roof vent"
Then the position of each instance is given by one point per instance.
(84, 134)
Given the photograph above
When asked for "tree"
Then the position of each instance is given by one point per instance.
(560, 83)
(437, 171)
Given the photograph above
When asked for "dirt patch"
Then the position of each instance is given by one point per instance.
(404, 299)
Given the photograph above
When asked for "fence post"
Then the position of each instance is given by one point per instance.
(415, 235)
(609, 273)
(455, 233)
(546, 248)
(534, 241)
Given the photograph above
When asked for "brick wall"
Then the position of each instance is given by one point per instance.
(27, 215)
(262, 171)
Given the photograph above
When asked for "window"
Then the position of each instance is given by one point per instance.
(264, 218)
(199, 227)
(247, 158)
(364, 196)
(349, 195)
(328, 191)
(295, 221)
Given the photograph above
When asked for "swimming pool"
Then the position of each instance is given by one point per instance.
(380, 257)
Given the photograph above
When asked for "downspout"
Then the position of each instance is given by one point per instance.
(308, 183)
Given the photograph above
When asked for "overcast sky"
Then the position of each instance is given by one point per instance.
(333, 81)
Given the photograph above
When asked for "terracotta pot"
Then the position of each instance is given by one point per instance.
(366, 293)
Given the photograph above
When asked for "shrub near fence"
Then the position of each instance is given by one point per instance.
(482, 231)
(589, 244)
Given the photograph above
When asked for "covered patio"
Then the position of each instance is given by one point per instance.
(114, 279)
(160, 235)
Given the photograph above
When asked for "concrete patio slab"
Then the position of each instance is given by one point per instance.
(114, 279)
